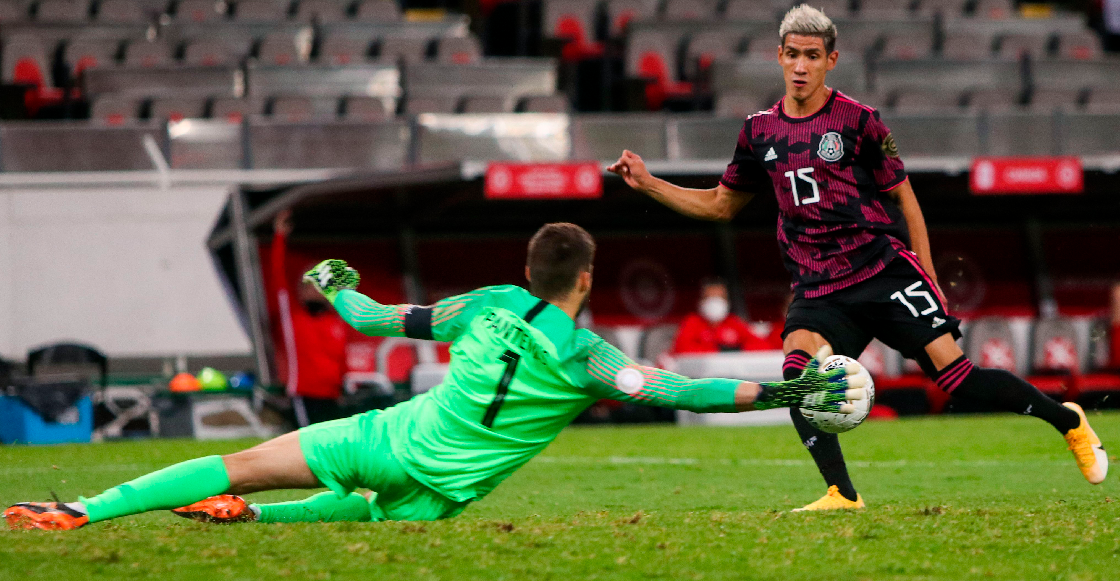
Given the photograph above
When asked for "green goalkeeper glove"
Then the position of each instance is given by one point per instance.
(814, 390)
(332, 276)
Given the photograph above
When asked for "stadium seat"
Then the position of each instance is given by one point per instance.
(762, 49)
(214, 52)
(749, 10)
(993, 9)
(574, 21)
(990, 343)
(148, 54)
(1080, 46)
(442, 104)
(13, 11)
(1100, 380)
(907, 46)
(925, 101)
(378, 11)
(112, 110)
(740, 104)
(297, 109)
(86, 53)
(323, 11)
(402, 50)
(884, 9)
(545, 104)
(993, 99)
(200, 10)
(285, 48)
(342, 49)
(1046, 100)
(946, 8)
(656, 342)
(63, 11)
(834, 8)
(459, 50)
(1055, 358)
(260, 11)
(487, 104)
(1103, 99)
(365, 109)
(25, 62)
(966, 46)
(172, 109)
(620, 13)
(858, 45)
(702, 10)
(705, 47)
(127, 11)
(235, 110)
(651, 55)
(1016, 46)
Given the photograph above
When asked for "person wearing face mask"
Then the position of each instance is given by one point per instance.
(714, 328)
(309, 335)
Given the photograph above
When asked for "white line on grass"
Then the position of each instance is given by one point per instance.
(780, 461)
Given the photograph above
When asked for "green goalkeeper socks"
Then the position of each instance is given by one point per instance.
(172, 487)
(323, 507)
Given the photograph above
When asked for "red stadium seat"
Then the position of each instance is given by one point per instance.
(1080, 46)
(650, 55)
(459, 50)
(87, 53)
(111, 110)
(620, 13)
(235, 110)
(574, 21)
(706, 47)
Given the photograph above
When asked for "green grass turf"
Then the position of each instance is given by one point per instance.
(994, 497)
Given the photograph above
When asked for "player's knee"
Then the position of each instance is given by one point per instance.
(803, 340)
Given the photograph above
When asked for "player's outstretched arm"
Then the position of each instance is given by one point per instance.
(720, 203)
(443, 321)
(617, 377)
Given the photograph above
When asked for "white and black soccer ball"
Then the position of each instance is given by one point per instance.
(834, 422)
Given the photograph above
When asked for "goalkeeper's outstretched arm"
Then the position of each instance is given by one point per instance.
(443, 321)
(616, 376)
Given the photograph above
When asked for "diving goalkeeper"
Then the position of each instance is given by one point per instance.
(520, 372)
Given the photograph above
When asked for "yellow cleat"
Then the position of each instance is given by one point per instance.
(1087, 449)
(833, 501)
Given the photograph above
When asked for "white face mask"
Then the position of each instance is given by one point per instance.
(714, 309)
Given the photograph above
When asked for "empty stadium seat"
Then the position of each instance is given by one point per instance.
(990, 343)
(25, 60)
(908, 46)
(260, 11)
(442, 104)
(993, 9)
(1100, 380)
(834, 8)
(487, 104)
(126, 11)
(1046, 100)
(651, 55)
(341, 49)
(923, 101)
(85, 53)
(200, 10)
(402, 50)
(235, 110)
(295, 109)
(1016, 46)
(574, 21)
(620, 13)
(177, 109)
(378, 11)
(148, 54)
(459, 50)
(545, 104)
(1080, 45)
(1103, 99)
(1054, 356)
(321, 11)
(707, 46)
(365, 109)
(740, 104)
(690, 9)
(966, 46)
(748, 10)
(858, 44)
(285, 48)
(62, 11)
(112, 110)
(763, 49)
(13, 11)
(993, 99)
(946, 8)
(884, 9)
(213, 52)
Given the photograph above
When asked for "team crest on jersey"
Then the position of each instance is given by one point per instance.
(832, 147)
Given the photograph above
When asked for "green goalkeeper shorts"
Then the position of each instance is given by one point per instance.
(355, 453)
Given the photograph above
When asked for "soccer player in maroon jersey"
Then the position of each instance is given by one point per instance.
(854, 239)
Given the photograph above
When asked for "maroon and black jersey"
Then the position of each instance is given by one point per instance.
(830, 172)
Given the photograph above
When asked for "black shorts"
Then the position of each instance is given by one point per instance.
(898, 306)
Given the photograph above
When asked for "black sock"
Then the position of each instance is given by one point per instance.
(1001, 389)
(823, 446)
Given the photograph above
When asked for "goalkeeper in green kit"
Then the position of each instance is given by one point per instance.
(520, 372)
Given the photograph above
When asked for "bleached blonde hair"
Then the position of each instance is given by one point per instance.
(809, 21)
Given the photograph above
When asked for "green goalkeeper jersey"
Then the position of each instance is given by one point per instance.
(520, 372)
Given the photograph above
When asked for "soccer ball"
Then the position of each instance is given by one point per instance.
(833, 422)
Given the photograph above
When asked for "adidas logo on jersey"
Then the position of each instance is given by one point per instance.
(770, 155)
(937, 322)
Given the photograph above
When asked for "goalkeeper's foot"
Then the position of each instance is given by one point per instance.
(222, 509)
(833, 500)
(332, 276)
(1087, 449)
(47, 516)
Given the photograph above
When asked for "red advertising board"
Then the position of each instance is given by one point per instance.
(543, 180)
(1026, 175)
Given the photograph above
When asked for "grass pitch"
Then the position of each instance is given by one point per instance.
(993, 497)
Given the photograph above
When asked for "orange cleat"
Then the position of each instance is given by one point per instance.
(47, 516)
(224, 508)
